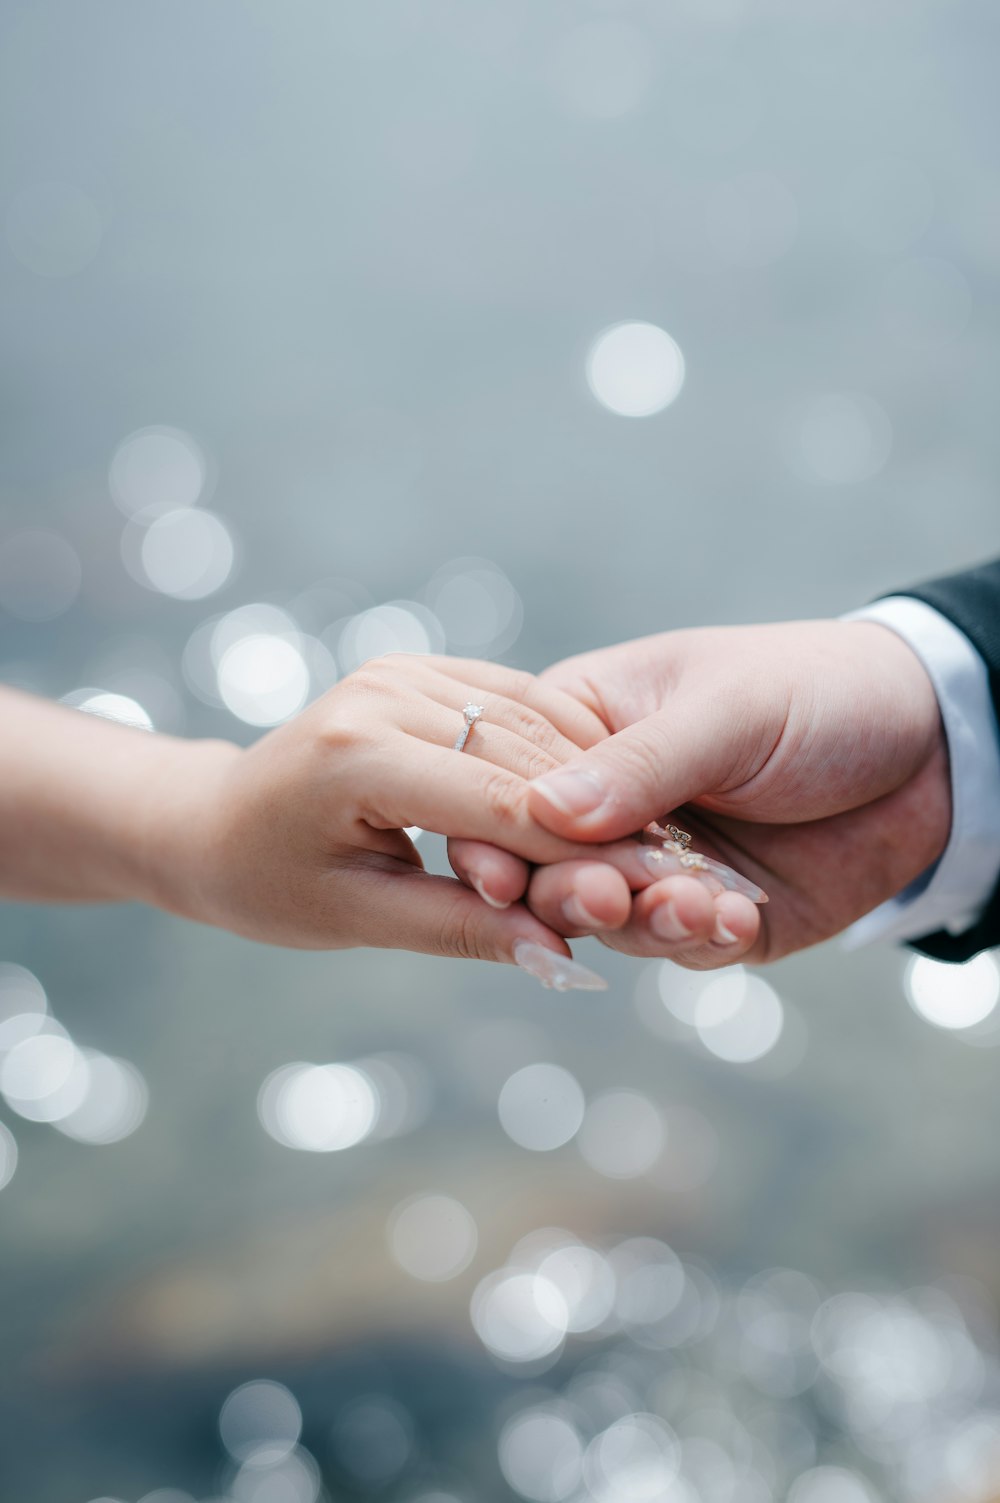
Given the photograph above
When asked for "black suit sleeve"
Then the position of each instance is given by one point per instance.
(972, 601)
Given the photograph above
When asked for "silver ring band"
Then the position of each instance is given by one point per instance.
(471, 714)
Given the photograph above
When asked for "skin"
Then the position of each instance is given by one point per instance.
(299, 840)
(810, 756)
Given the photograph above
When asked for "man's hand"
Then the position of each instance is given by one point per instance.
(809, 756)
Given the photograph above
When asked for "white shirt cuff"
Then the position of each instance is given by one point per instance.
(951, 894)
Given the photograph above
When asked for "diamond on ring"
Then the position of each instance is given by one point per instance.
(471, 713)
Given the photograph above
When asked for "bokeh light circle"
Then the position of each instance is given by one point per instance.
(635, 369)
(541, 1107)
(114, 1105)
(432, 1237)
(157, 468)
(519, 1316)
(318, 1108)
(622, 1135)
(263, 679)
(953, 996)
(739, 1022)
(541, 1455)
(187, 553)
(23, 1005)
(260, 1421)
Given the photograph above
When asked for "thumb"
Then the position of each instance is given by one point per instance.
(646, 770)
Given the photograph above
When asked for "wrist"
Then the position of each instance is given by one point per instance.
(177, 837)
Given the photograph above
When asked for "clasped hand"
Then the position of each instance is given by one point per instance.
(807, 757)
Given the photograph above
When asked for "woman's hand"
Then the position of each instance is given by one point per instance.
(303, 836)
(300, 840)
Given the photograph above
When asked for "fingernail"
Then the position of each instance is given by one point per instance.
(659, 863)
(493, 902)
(724, 936)
(554, 971)
(731, 881)
(576, 913)
(572, 793)
(665, 923)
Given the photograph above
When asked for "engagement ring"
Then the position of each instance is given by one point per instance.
(471, 713)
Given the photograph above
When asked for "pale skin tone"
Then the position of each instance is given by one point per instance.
(810, 756)
(299, 840)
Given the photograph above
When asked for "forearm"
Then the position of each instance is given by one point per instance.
(92, 811)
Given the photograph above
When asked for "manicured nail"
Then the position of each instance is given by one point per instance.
(572, 793)
(724, 936)
(731, 881)
(555, 971)
(714, 875)
(579, 916)
(665, 923)
(660, 863)
(493, 902)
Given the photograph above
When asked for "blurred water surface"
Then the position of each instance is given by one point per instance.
(333, 328)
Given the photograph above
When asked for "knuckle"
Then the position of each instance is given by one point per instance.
(530, 724)
(500, 797)
(642, 759)
(462, 932)
(368, 681)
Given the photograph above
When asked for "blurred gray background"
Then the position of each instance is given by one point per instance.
(336, 275)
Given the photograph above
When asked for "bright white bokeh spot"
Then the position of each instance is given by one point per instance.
(478, 607)
(751, 220)
(519, 1316)
(585, 1280)
(261, 1422)
(398, 626)
(637, 1458)
(23, 1005)
(602, 69)
(114, 1105)
(44, 1077)
(107, 706)
(8, 1155)
(541, 1107)
(40, 574)
(541, 1455)
(622, 1134)
(318, 1108)
(54, 229)
(953, 996)
(679, 988)
(186, 553)
(432, 1237)
(832, 1484)
(842, 438)
(263, 679)
(635, 369)
(739, 1018)
(157, 469)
